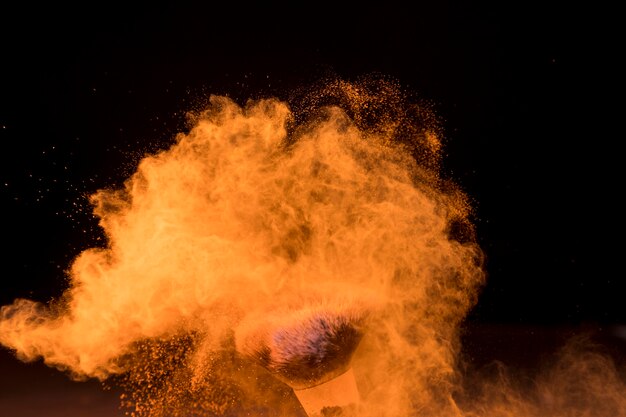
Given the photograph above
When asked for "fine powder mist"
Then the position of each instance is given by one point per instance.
(239, 256)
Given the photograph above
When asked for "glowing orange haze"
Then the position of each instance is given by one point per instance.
(258, 216)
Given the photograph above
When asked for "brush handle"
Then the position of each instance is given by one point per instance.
(339, 392)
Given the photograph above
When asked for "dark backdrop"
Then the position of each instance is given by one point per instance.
(527, 92)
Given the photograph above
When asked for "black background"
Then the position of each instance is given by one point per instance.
(528, 95)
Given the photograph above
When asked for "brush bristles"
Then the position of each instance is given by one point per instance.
(307, 352)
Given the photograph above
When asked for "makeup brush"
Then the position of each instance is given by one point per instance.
(311, 351)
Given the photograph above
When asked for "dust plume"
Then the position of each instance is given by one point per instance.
(579, 380)
(264, 224)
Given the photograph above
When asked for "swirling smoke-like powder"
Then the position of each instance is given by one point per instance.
(265, 211)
